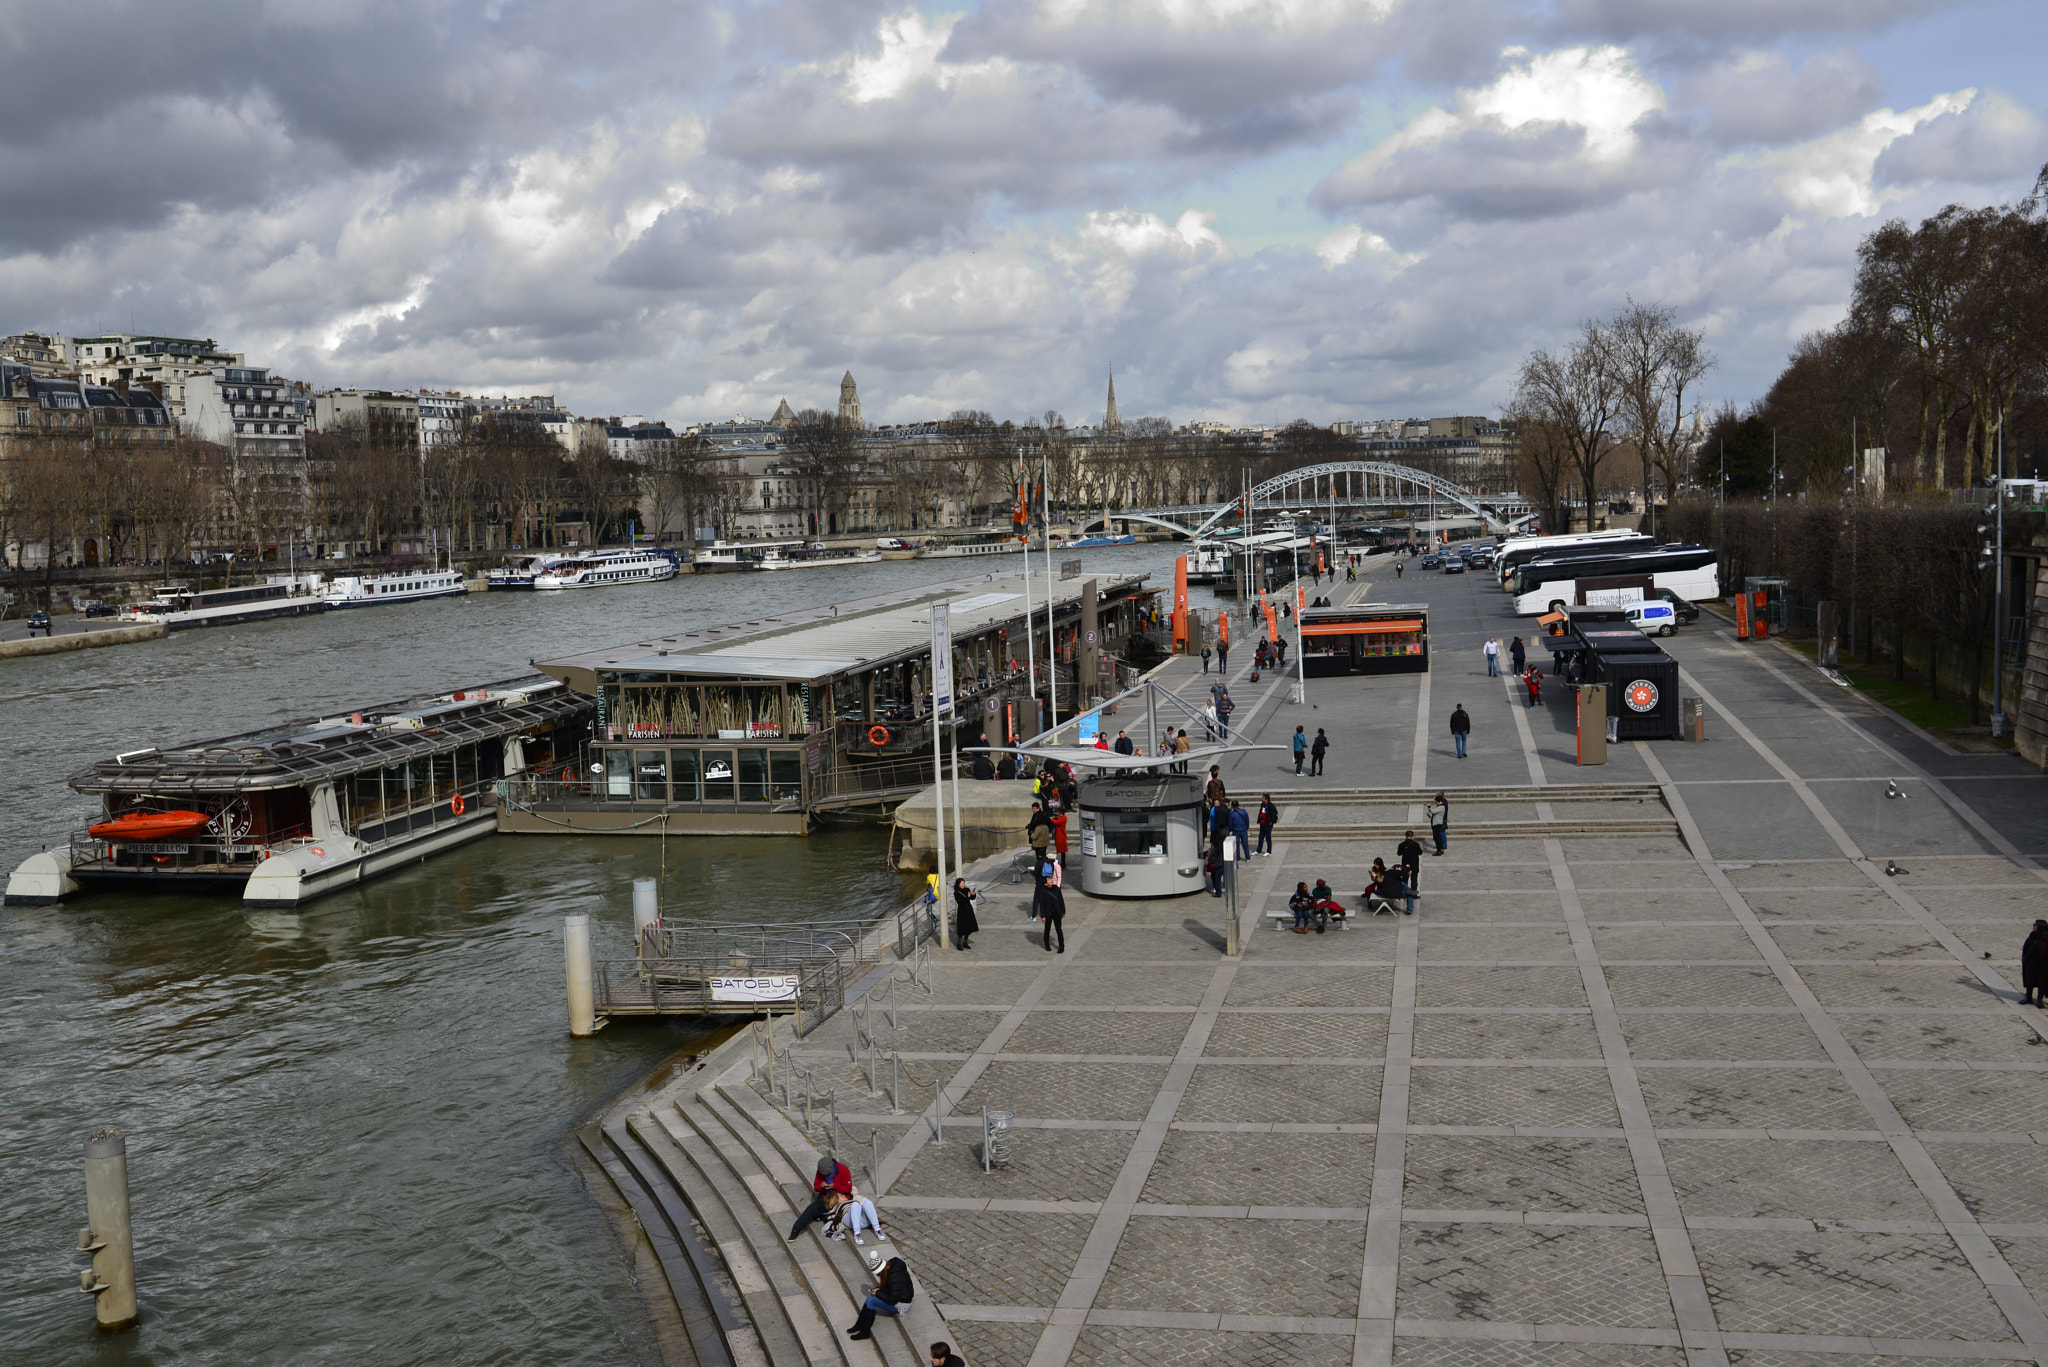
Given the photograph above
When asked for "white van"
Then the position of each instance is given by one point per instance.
(1655, 617)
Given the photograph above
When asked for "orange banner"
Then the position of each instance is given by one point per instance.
(1272, 623)
(1180, 604)
(1223, 626)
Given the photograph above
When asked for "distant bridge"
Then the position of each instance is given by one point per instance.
(1348, 486)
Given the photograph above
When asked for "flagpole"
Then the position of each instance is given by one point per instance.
(1052, 649)
(1030, 652)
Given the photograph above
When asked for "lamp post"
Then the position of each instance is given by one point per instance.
(1998, 593)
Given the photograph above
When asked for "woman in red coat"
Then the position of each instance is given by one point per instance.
(1059, 834)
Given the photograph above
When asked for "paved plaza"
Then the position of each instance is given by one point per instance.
(1727, 1095)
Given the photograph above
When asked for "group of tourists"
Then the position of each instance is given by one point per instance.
(845, 1212)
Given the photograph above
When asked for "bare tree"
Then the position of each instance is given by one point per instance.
(1654, 361)
(1578, 396)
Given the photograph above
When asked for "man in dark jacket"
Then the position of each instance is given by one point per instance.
(944, 1356)
(1007, 767)
(982, 768)
(1317, 748)
(892, 1291)
(1461, 727)
(2034, 966)
(1409, 853)
(1124, 745)
(832, 1175)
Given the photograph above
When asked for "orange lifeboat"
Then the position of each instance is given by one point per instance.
(149, 825)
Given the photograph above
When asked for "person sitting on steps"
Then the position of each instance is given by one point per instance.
(892, 1291)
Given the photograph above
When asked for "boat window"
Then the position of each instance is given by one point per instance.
(786, 774)
(650, 774)
(718, 776)
(618, 774)
(682, 774)
(465, 767)
(753, 775)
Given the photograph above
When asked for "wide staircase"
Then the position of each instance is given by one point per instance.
(716, 1176)
(1504, 812)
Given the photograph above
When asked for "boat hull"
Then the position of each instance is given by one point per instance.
(393, 599)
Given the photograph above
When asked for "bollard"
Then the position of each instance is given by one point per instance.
(576, 959)
(646, 912)
(939, 1112)
(111, 1278)
(895, 1083)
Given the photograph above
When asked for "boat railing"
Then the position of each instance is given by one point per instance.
(204, 849)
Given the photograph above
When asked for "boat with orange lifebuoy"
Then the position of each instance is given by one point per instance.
(149, 825)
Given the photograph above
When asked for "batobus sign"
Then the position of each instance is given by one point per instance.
(763, 987)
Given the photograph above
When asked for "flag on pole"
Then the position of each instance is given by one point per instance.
(1180, 604)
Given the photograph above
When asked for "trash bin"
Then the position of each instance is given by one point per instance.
(996, 1137)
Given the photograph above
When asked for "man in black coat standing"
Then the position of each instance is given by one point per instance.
(1461, 727)
(2034, 966)
(1409, 853)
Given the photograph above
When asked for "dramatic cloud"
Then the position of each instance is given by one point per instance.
(1253, 209)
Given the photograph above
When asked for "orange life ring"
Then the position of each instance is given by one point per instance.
(455, 804)
(878, 735)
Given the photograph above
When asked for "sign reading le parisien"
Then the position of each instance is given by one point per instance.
(763, 987)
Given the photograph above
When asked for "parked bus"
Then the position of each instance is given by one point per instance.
(1518, 552)
(1691, 572)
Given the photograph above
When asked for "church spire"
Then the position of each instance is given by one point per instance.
(849, 401)
(1110, 421)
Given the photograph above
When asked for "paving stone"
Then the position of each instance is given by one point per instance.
(1546, 1034)
(1660, 876)
(1296, 1036)
(1193, 941)
(2020, 904)
(982, 1257)
(1883, 1285)
(1048, 1165)
(1272, 1267)
(1636, 985)
(1799, 874)
(2002, 1184)
(1542, 1274)
(1274, 985)
(1551, 1098)
(1792, 1179)
(2000, 937)
(1497, 1353)
(1112, 1346)
(1857, 942)
(1977, 1039)
(1968, 1103)
(1933, 873)
(1512, 943)
(1202, 1168)
(967, 984)
(1111, 986)
(1777, 1357)
(2028, 1259)
(1720, 1037)
(1101, 1032)
(1287, 1093)
(1897, 985)
(1474, 1172)
(1658, 904)
(933, 1032)
(1542, 986)
(1451, 874)
(1468, 908)
(1690, 942)
(1667, 858)
(1064, 1091)
(1752, 1098)
(989, 1344)
(1866, 904)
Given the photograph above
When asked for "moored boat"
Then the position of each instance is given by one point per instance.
(179, 608)
(978, 543)
(148, 825)
(816, 556)
(406, 586)
(606, 569)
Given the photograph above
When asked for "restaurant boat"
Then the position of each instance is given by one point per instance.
(815, 556)
(607, 569)
(375, 590)
(180, 608)
(520, 573)
(291, 812)
(978, 543)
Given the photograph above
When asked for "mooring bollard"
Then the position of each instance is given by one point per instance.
(111, 1278)
(646, 912)
(576, 960)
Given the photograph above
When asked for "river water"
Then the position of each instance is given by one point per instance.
(345, 1124)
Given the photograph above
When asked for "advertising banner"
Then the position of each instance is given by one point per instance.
(942, 660)
(759, 987)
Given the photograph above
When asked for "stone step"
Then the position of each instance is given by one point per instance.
(1525, 792)
(720, 1331)
(1620, 828)
(920, 1322)
(775, 1342)
(794, 1330)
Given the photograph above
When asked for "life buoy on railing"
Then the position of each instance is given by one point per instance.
(456, 804)
(878, 735)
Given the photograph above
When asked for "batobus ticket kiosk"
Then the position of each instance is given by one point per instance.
(1141, 824)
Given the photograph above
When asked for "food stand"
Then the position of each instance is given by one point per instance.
(1374, 638)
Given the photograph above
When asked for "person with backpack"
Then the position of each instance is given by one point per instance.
(893, 1291)
(1205, 659)
(1269, 817)
(1316, 751)
(1300, 749)
(1050, 904)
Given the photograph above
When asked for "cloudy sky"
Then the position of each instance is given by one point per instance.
(1255, 210)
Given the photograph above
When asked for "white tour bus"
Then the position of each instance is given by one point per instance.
(1691, 572)
(1522, 549)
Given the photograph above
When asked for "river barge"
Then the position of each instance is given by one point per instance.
(769, 726)
(180, 608)
(294, 811)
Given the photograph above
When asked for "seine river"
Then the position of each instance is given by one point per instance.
(345, 1124)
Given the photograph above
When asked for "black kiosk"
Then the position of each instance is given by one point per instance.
(1642, 681)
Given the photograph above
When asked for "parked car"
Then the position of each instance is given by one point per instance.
(1654, 616)
(96, 608)
(1687, 612)
(38, 621)
(1430, 562)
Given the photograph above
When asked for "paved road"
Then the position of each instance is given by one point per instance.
(16, 628)
(1735, 1096)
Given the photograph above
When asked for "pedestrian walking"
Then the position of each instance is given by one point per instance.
(1534, 679)
(1050, 904)
(1224, 707)
(1461, 727)
(1300, 748)
(965, 923)
(1269, 817)
(1439, 814)
(1409, 856)
(1212, 867)
(1240, 829)
(1319, 747)
(2034, 966)
(832, 1175)
(1038, 831)
(1518, 655)
(1209, 722)
(1399, 565)
(1059, 834)
(1222, 657)
(1213, 791)
(893, 1290)
(1205, 659)
(1181, 745)
(1492, 652)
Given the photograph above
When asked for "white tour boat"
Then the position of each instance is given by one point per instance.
(362, 591)
(519, 574)
(979, 543)
(604, 569)
(816, 556)
(180, 608)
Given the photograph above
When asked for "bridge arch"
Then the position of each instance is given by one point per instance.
(1423, 484)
